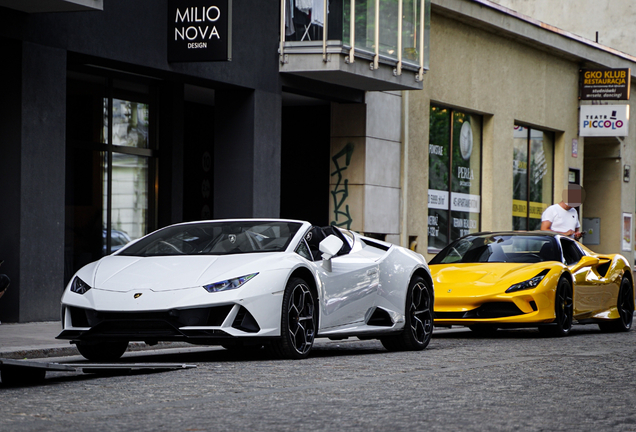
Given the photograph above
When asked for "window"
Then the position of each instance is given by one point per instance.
(303, 251)
(111, 166)
(454, 176)
(532, 169)
(571, 252)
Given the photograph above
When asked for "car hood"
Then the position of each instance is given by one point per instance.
(471, 279)
(125, 273)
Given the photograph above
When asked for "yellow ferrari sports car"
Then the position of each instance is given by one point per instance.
(488, 281)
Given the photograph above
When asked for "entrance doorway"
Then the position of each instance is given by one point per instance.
(110, 166)
(306, 148)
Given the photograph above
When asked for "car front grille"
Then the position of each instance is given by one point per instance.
(486, 310)
(175, 318)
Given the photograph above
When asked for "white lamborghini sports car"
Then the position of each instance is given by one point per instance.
(249, 283)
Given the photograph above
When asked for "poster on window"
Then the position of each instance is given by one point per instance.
(627, 231)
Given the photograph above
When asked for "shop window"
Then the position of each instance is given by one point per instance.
(532, 169)
(111, 166)
(454, 176)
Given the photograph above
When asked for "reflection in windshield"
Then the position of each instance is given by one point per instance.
(216, 238)
(499, 248)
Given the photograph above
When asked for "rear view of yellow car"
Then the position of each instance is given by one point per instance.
(488, 281)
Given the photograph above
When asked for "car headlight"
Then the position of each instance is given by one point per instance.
(529, 284)
(79, 286)
(228, 284)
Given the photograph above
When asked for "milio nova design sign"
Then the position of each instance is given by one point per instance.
(199, 30)
(604, 120)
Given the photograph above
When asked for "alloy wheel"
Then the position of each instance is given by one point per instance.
(301, 318)
(421, 313)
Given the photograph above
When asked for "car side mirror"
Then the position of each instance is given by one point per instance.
(329, 248)
(585, 261)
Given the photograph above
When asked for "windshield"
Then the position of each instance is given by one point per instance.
(499, 248)
(216, 238)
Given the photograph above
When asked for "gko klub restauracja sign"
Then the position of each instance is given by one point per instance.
(604, 84)
(199, 30)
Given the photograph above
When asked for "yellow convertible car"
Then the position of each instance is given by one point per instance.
(539, 279)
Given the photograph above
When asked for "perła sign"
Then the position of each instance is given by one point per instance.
(199, 30)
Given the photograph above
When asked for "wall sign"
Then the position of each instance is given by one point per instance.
(199, 30)
(604, 120)
(604, 84)
(627, 232)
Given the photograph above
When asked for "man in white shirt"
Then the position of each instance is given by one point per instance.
(563, 218)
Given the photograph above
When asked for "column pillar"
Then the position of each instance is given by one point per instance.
(32, 178)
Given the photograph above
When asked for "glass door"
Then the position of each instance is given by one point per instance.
(111, 167)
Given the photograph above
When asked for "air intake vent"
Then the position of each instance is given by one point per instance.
(380, 317)
(244, 321)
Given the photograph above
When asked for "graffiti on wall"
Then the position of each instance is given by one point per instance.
(340, 193)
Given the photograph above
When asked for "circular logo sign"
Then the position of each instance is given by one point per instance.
(466, 141)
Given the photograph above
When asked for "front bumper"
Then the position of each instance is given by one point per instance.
(534, 306)
(208, 325)
(191, 315)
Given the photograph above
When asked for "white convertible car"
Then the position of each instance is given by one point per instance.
(248, 283)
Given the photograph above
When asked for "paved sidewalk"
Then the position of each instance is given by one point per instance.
(37, 340)
(33, 340)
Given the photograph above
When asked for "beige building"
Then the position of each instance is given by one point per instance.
(491, 140)
(494, 138)
(608, 22)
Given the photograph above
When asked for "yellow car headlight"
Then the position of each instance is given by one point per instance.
(528, 284)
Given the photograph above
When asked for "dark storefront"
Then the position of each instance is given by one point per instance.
(105, 140)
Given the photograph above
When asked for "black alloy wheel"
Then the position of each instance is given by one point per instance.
(418, 326)
(625, 307)
(102, 351)
(564, 311)
(298, 321)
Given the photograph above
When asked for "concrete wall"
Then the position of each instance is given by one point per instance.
(366, 152)
(507, 82)
(612, 19)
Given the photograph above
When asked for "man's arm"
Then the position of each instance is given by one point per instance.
(546, 225)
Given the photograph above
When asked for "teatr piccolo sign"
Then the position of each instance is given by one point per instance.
(199, 30)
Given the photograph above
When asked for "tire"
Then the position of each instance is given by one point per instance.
(418, 326)
(625, 306)
(563, 309)
(483, 330)
(102, 351)
(299, 321)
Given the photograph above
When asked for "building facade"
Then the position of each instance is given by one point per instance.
(495, 135)
(117, 119)
(416, 122)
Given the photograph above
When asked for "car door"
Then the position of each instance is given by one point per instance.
(592, 292)
(349, 289)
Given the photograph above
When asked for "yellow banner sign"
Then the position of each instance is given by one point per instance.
(520, 209)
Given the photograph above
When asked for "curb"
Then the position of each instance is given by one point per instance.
(71, 350)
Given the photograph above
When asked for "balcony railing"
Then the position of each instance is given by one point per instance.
(385, 32)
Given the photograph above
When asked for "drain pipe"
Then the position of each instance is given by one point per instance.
(404, 237)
